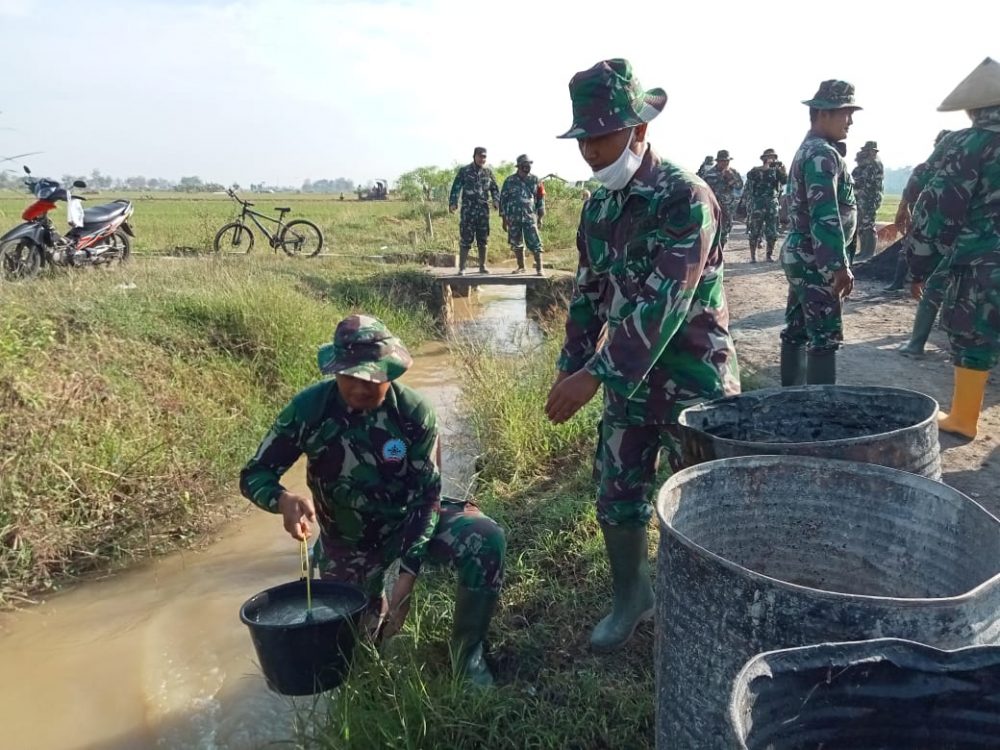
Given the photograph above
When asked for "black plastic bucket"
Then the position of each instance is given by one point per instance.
(890, 427)
(307, 657)
(886, 693)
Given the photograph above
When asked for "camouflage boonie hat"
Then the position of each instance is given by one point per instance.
(608, 97)
(870, 146)
(833, 94)
(723, 155)
(364, 348)
(768, 152)
(709, 159)
(523, 159)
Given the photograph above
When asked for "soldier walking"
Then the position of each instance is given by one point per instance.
(823, 216)
(650, 270)
(522, 198)
(478, 188)
(958, 214)
(372, 450)
(868, 177)
(763, 186)
(727, 185)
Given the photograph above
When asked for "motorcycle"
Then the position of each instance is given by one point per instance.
(97, 236)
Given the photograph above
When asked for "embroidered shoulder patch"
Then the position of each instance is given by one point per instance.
(394, 451)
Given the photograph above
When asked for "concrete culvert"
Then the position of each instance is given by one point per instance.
(759, 553)
(891, 427)
(887, 693)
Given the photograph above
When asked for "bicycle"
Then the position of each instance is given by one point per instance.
(298, 237)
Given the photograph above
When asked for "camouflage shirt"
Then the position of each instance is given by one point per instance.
(522, 198)
(821, 206)
(959, 209)
(478, 188)
(651, 269)
(373, 475)
(764, 184)
(868, 176)
(726, 184)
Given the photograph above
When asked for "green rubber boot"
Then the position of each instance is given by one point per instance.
(821, 367)
(632, 591)
(923, 322)
(473, 612)
(793, 364)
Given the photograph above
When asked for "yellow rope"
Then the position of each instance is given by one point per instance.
(308, 576)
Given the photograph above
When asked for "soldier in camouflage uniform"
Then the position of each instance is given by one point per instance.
(478, 188)
(650, 271)
(372, 451)
(522, 198)
(763, 186)
(958, 214)
(868, 176)
(706, 165)
(823, 216)
(727, 185)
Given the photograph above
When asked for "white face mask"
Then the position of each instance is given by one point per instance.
(617, 175)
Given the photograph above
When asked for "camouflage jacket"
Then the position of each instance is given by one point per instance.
(868, 176)
(651, 269)
(704, 169)
(373, 475)
(821, 206)
(478, 188)
(727, 185)
(522, 198)
(922, 174)
(764, 185)
(959, 209)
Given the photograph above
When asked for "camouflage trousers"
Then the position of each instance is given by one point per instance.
(625, 469)
(763, 220)
(813, 313)
(465, 538)
(728, 210)
(521, 232)
(970, 313)
(474, 226)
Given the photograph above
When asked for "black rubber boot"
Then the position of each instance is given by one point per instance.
(473, 612)
(482, 259)
(538, 264)
(793, 364)
(753, 253)
(632, 591)
(867, 240)
(899, 278)
(770, 251)
(463, 258)
(519, 257)
(923, 323)
(821, 367)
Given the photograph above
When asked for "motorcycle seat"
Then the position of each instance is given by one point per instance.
(105, 213)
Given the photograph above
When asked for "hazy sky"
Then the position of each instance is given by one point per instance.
(283, 90)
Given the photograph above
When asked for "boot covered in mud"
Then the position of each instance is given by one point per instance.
(793, 364)
(966, 403)
(923, 322)
(519, 257)
(538, 264)
(821, 367)
(632, 592)
(867, 240)
(473, 611)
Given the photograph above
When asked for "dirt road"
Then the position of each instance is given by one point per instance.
(876, 323)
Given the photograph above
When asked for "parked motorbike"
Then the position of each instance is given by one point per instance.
(97, 236)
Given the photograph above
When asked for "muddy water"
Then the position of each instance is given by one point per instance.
(156, 657)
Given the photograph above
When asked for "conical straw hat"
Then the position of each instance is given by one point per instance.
(981, 88)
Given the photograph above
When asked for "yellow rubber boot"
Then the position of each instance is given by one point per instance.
(966, 403)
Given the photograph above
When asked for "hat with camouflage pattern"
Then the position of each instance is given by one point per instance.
(769, 152)
(365, 349)
(870, 146)
(723, 155)
(981, 88)
(833, 94)
(523, 159)
(608, 97)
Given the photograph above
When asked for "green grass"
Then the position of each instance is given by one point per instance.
(166, 221)
(129, 399)
(887, 210)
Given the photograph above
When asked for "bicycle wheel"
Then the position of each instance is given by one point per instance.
(235, 237)
(301, 237)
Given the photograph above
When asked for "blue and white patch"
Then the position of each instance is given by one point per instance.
(394, 451)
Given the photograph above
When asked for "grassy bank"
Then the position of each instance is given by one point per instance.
(129, 399)
(552, 693)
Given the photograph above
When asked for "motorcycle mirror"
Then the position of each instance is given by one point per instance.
(26, 170)
(79, 183)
